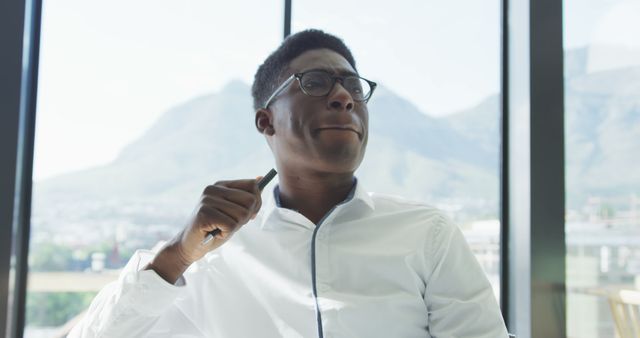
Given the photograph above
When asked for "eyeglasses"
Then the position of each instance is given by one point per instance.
(320, 83)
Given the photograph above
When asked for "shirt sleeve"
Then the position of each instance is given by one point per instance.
(130, 306)
(459, 298)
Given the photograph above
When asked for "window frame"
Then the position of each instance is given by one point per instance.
(533, 182)
(19, 37)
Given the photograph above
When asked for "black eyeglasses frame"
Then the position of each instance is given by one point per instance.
(335, 78)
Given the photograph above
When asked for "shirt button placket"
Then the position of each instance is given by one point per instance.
(322, 275)
(322, 260)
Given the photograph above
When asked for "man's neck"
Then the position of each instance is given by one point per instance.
(314, 195)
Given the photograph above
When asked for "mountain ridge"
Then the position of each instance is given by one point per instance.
(454, 158)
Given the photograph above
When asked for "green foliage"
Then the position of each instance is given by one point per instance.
(607, 211)
(55, 308)
(56, 257)
(50, 257)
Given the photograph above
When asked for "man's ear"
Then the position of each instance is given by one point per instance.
(264, 122)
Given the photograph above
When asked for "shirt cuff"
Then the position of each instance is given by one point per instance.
(149, 294)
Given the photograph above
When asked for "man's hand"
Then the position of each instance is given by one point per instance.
(227, 206)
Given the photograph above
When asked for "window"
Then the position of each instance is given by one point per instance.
(132, 97)
(602, 123)
(434, 119)
(131, 103)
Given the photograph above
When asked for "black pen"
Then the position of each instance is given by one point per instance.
(263, 183)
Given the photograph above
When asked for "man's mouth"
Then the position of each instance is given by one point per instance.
(341, 128)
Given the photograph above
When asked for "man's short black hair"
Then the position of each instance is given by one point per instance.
(270, 74)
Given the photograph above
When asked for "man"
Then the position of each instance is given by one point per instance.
(321, 257)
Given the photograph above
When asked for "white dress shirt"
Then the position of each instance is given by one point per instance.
(375, 266)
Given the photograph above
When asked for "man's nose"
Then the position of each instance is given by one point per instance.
(340, 98)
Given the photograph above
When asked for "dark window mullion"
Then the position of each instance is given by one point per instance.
(11, 40)
(535, 154)
(287, 18)
(19, 33)
(504, 164)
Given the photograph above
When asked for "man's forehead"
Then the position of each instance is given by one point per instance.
(324, 59)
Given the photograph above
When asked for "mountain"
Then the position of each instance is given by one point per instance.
(212, 137)
(481, 125)
(602, 128)
(160, 176)
(451, 161)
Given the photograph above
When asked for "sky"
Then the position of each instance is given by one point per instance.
(109, 69)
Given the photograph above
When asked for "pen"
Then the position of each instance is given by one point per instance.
(263, 183)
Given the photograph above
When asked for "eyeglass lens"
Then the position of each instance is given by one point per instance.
(321, 83)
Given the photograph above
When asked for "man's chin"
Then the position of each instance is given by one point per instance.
(342, 159)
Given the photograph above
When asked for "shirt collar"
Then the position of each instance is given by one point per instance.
(271, 206)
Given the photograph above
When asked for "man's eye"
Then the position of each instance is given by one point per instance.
(312, 84)
(355, 89)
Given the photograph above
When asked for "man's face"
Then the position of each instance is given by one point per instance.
(325, 134)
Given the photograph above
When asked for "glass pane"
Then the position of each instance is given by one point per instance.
(434, 118)
(138, 103)
(602, 121)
